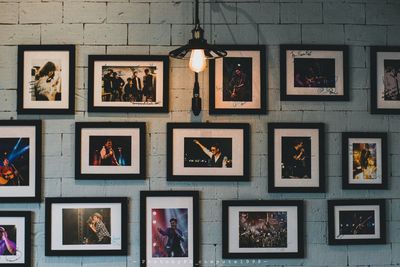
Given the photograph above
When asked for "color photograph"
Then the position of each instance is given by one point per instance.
(360, 222)
(314, 72)
(14, 165)
(86, 226)
(208, 152)
(263, 229)
(170, 232)
(110, 150)
(237, 79)
(296, 157)
(364, 161)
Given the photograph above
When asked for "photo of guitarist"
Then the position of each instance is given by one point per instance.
(9, 175)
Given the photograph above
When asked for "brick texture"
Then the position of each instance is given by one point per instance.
(144, 27)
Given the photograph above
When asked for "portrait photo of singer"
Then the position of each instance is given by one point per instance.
(86, 226)
(14, 162)
(45, 84)
(237, 81)
(169, 232)
(296, 158)
(8, 237)
(129, 84)
(110, 150)
(208, 152)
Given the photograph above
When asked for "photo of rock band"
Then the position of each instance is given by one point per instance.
(263, 229)
(129, 84)
(86, 226)
(237, 81)
(208, 152)
(296, 158)
(14, 165)
(364, 161)
(169, 232)
(110, 150)
(45, 84)
(314, 72)
(391, 80)
(360, 222)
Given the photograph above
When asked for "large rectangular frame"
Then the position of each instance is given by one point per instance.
(226, 204)
(271, 158)
(245, 176)
(87, 200)
(71, 90)
(345, 163)
(143, 222)
(356, 202)
(262, 86)
(164, 60)
(304, 97)
(109, 125)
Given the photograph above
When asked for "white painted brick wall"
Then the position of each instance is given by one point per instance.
(150, 27)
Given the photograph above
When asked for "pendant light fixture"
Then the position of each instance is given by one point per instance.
(200, 51)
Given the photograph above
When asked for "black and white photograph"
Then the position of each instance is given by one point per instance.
(238, 81)
(169, 228)
(314, 73)
(356, 221)
(128, 83)
(262, 229)
(20, 161)
(295, 159)
(46, 79)
(364, 160)
(385, 80)
(110, 150)
(15, 238)
(207, 151)
(86, 226)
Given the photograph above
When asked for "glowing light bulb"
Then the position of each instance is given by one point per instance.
(197, 62)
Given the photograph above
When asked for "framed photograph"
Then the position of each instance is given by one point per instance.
(126, 83)
(208, 151)
(82, 226)
(110, 150)
(15, 233)
(314, 73)
(169, 228)
(356, 222)
(385, 80)
(238, 81)
(46, 79)
(20, 160)
(262, 229)
(364, 160)
(296, 157)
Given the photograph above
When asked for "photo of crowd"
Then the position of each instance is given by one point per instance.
(391, 80)
(364, 161)
(314, 72)
(263, 229)
(129, 84)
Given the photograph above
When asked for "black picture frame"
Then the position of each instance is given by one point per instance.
(122, 106)
(321, 93)
(346, 184)
(226, 224)
(240, 107)
(318, 185)
(195, 218)
(24, 129)
(67, 105)
(123, 227)
(361, 205)
(27, 247)
(239, 133)
(137, 172)
(377, 57)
